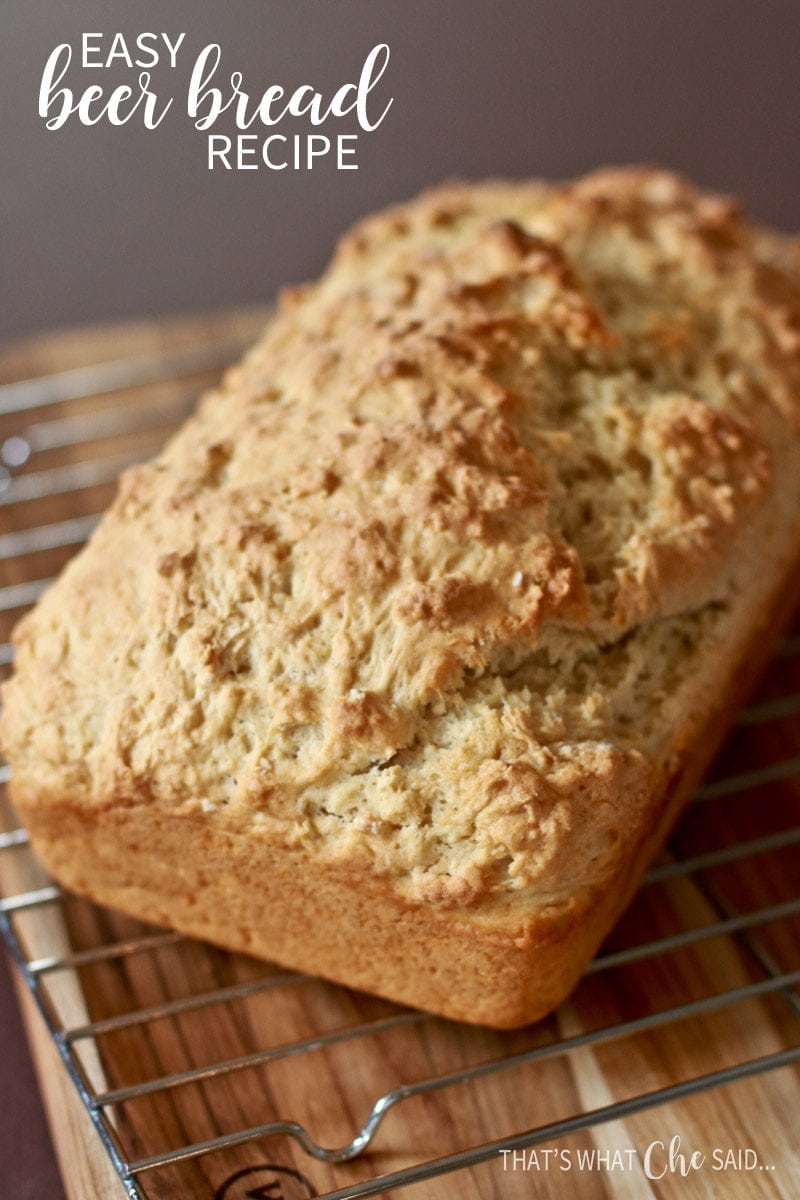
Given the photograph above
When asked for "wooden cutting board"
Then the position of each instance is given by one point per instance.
(320, 1055)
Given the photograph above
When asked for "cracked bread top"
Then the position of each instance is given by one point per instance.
(423, 583)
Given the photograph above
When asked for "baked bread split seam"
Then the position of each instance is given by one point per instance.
(398, 663)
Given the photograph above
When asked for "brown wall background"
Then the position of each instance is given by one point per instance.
(103, 222)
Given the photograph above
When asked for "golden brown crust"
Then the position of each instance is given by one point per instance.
(433, 594)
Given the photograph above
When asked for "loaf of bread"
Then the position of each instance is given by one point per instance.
(398, 662)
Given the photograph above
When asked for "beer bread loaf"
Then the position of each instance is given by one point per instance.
(398, 662)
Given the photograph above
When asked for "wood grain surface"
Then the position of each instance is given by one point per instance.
(360, 1048)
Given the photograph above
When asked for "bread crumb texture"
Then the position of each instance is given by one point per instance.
(422, 586)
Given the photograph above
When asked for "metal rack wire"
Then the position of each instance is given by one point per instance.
(731, 929)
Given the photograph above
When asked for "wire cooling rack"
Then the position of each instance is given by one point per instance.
(208, 1074)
